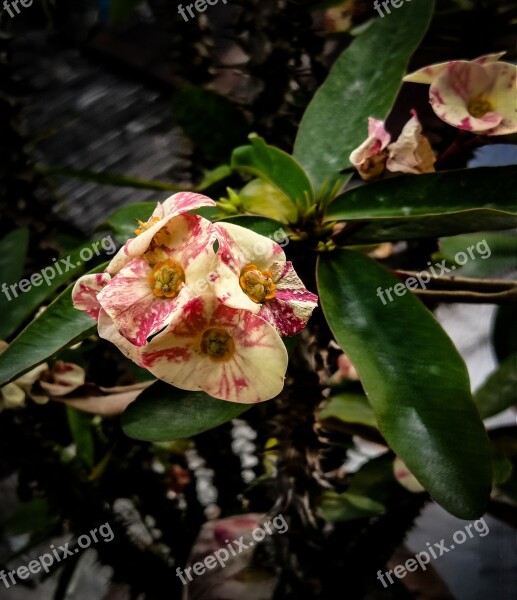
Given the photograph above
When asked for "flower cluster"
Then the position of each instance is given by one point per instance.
(201, 305)
(479, 96)
(410, 153)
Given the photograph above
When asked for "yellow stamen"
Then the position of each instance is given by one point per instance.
(257, 285)
(479, 107)
(166, 279)
(145, 225)
(217, 344)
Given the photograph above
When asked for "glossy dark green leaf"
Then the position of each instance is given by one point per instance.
(59, 326)
(414, 378)
(499, 391)
(13, 251)
(277, 168)
(164, 413)
(363, 82)
(449, 192)
(30, 517)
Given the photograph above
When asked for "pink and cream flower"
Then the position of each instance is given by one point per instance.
(177, 204)
(370, 157)
(227, 353)
(251, 273)
(478, 95)
(145, 294)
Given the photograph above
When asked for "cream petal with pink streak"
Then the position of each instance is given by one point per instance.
(292, 306)
(239, 247)
(86, 290)
(430, 73)
(189, 240)
(450, 94)
(108, 331)
(504, 96)
(378, 138)
(172, 207)
(130, 302)
(253, 373)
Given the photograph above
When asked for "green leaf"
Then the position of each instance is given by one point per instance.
(499, 391)
(13, 252)
(485, 189)
(277, 168)
(213, 123)
(82, 434)
(344, 507)
(415, 380)
(163, 413)
(30, 517)
(350, 408)
(500, 248)
(59, 326)
(262, 198)
(25, 304)
(363, 82)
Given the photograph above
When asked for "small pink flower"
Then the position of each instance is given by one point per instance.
(229, 354)
(478, 95)
(370, 157)
(251, 273)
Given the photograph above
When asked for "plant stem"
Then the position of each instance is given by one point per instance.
(466, 290)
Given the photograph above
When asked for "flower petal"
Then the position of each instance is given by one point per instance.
(163, 213)
(239, 247)
(450, 93)
(128, 299)
(504, 96)
(12, 396)
(430, 73)
(108, 331)
(292, 306)
(252, 373)
(412, 152)
(86, 290)
(369, 158)
(67, 377)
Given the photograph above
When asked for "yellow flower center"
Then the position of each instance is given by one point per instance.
(257, 285)
(217, 344)
(479, 107)
(166, 279)
(145, 225)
